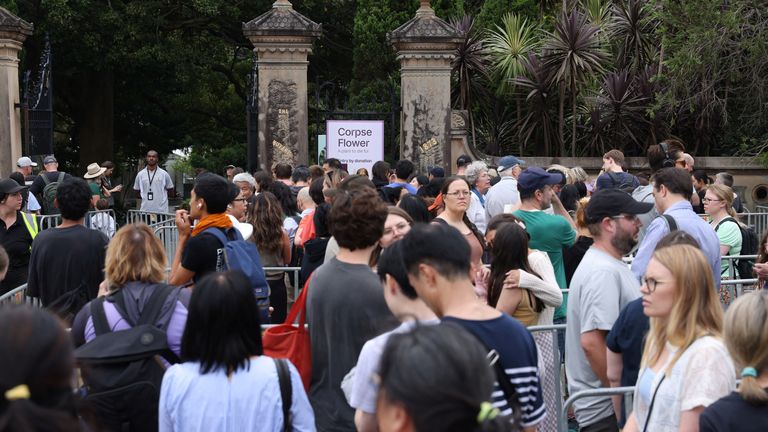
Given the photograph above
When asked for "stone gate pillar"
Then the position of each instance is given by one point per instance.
(425, 47)
(13, 32)
(282, 38)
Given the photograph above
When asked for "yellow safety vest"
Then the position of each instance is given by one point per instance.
(31, 226)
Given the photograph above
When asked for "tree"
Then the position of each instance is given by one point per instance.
(574, 55)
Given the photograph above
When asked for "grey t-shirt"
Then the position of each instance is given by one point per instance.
(601, 286)
(345, 308)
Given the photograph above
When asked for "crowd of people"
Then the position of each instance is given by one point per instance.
(420, 289)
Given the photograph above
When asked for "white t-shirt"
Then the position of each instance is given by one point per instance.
(476, 212)
(364, 388)
(701, 376)
(158, 182)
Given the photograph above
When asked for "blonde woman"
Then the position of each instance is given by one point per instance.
(685, 365)
(134, 269)
(718, 204)
(746, 336)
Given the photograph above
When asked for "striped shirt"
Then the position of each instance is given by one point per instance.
(519, 358)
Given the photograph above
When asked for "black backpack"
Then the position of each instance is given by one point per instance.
(121, 370)
(749, 246)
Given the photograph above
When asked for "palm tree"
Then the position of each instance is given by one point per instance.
(509, 46)
(574, 56)
(633, 29)
(539, 121)
(470, 67)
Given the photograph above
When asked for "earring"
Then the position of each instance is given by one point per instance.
(199, 206)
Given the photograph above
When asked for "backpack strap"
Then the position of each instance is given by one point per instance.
(99, 316)
(61, 177)
(726, 219)
(223, 238)
(671, 223)
(154, 304)
(44, 175)
(613, 177)
(286, 391)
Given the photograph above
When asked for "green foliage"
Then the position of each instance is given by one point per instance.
(491, 12)
(509, 45)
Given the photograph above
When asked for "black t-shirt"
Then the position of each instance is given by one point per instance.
(734, 414)
(39, 184)
(572, 256)
(204, 254)
(626, 337)
(63, 258)
(16, 240)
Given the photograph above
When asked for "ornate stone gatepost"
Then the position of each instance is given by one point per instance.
(13, 33)
(425, 47)
(282, 38)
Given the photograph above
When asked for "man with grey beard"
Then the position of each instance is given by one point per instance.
(601, 286)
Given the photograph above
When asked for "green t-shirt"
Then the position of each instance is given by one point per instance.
(550, 234)
(729, 234)
(95, 189)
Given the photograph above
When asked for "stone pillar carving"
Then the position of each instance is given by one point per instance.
(282, 38)
(425, 47)
(13, 33)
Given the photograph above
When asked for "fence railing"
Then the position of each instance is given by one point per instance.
(153, 219)
(553, 330)
(92, 219)
(602, 393)
(18, 296)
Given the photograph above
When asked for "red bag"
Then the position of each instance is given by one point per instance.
(289, 341)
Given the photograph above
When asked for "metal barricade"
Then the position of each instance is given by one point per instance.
(758, 221)
(48, 221)
(18, 296)
(553, 329)
(596, 393)
(153, 219)
(169, 236)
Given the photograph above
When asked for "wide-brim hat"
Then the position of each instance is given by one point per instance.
(94, 170)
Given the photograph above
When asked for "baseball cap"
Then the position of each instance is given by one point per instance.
(463, 160)
(229, 166)
(49, 159)
(437, 172)
(508, 162)
(536, 178)
(9, 186)
(613, 202)
(24, 162)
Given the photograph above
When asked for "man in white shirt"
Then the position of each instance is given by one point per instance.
(504, 193)
(152, 185)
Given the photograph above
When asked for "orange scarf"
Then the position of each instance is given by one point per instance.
(218, 220)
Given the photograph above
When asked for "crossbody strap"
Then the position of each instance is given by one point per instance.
(671, 223)
(286, 391)
(99, 317)
(653, 401)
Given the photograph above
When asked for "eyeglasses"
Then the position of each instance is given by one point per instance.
(399, 228)
(631, 218)
(240, 199)
(651, 283)
(459, 193)
(706, 200)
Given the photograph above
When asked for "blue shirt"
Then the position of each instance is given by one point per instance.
(248, 401)
(687, 221)
(409, 187)
(518, 355)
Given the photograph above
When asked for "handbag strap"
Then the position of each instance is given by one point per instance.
(299, 308)
(653, 400)
(286, 392)
(99, 317)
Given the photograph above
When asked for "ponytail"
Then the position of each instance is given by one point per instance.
(749, 388)
(746, 336)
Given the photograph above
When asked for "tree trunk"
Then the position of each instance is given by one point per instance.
(561, 126)
(573, 120)
(94, 121)
(519, 107)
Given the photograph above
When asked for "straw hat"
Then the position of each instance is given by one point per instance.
(94, 170)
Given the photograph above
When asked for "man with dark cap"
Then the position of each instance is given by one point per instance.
(601, 286)
(49, 176)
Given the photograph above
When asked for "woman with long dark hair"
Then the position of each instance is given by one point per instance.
(274, 247)
(226, 382)
(36, 366)
(456, 193)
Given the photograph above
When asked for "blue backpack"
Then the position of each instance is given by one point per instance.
(244, 256)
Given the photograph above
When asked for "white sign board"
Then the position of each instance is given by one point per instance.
(356, 143)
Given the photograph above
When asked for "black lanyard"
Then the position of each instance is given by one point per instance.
(151, 178)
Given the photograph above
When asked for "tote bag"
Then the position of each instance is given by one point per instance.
(290, 341)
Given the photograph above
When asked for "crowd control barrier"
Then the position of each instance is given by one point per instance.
(18, 296)
(153, 219)
(602, 393)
